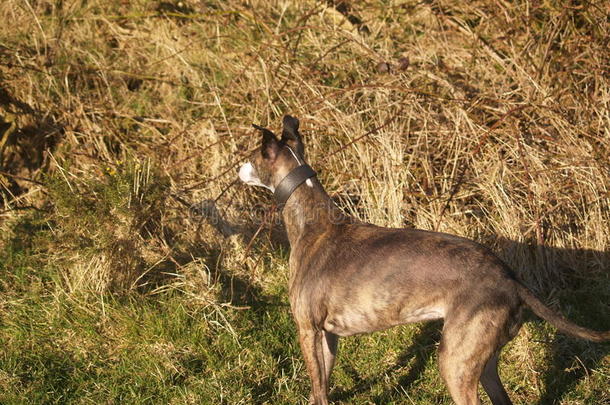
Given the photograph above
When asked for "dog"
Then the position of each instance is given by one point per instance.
(348, 277)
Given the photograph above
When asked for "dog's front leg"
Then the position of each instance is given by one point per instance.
(313, 352)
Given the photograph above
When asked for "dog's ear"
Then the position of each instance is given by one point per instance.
(290, 133)
(269, 145)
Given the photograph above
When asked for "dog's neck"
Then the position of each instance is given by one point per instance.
(309, 211)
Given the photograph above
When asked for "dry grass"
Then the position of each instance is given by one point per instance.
(484, 119)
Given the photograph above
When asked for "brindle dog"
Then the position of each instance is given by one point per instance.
(349, 277)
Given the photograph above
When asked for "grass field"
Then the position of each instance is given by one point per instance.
(135, 269)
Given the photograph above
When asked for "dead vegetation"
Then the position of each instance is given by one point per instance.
(480, 120)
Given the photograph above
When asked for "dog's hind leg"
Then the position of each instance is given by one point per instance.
(492, 384)
(459, 376)
(469, 341)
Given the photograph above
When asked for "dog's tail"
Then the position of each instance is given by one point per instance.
(562, 324)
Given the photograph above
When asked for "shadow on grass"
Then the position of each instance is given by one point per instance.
(24, 147)
(562, 376)
(421, 350)
(235, 289)
(418, 354)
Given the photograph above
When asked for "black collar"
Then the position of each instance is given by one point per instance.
(294, 179)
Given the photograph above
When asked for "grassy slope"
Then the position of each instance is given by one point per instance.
(112, 291)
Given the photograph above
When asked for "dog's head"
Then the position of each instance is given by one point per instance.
(275, 158)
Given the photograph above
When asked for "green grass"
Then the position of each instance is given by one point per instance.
(137, 349)
(165, 348)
